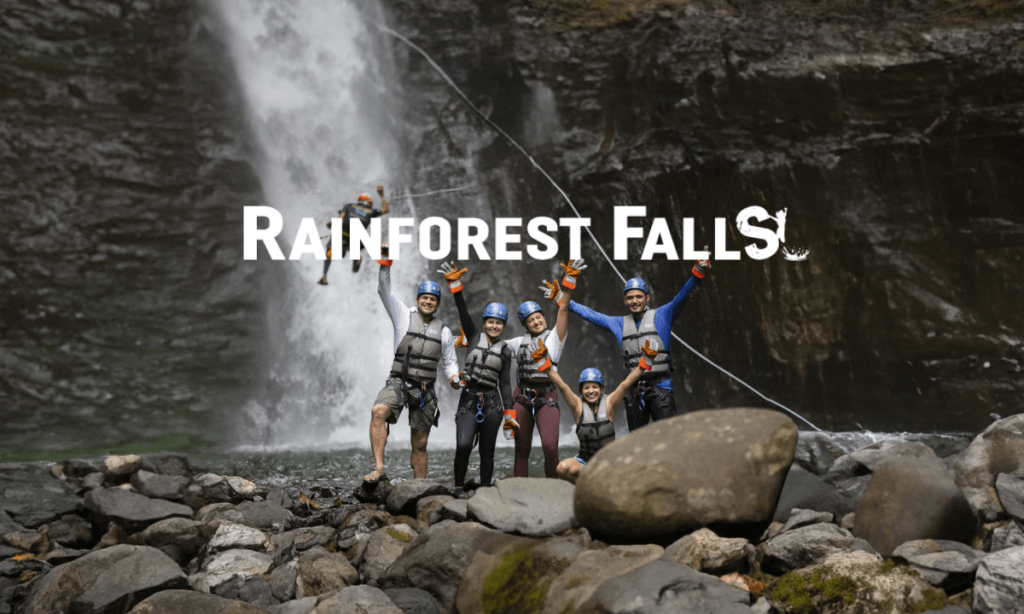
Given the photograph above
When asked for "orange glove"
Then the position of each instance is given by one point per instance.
(384, 255)
(703, 266)
(540, 354)
(511, 427)
(572, 271)
(458, 381)
(329, 253)
(649, 353)
(552, 292)
(460, 341)
(452, 275)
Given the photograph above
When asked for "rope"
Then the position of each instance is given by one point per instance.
(565, 196)
(465, 187)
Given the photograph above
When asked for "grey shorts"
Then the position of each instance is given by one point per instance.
(421, 418)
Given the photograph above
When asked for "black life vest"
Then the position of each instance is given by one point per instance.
(355, 211)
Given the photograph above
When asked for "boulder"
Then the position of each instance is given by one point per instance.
(375, 493)
(262, 515)
(167, 464)
(320, 572)
(222, 567)
(405, 495)
(704, 551)
(438, 559)
(802, 518)
(358, 526)
(282, 581)
(413, 601)
(998, 449)
(868, 459)
(855, 582)
(669, 587)
(998, 587)
(111, 580)
(133, 511)
(29, 541)
(93, 480)
(79, 468)
(1007, 536)
(816, 452)
(428, 509)
(72, 531)
(243, 488)
(802, 547)
(250, 589)
(115, 535)
(381, 549)
(299, 606)
(536, 507)
(191, 602)
(32, 498)
(121, 466)
(231, 536)
(8, 524)
(456, 509)
(912, 499)
(280, 497)
(59, 556)
(1010, 489)
(157, 486)
(946, 564)
(178, 538)
(851, 490)
(717, 466)
(804, 490)
(590, 570)
(356, 600)
(290, 544)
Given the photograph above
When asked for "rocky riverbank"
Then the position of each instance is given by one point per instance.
(736, 517)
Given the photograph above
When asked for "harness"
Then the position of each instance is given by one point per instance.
(641, 389)
(531, 397)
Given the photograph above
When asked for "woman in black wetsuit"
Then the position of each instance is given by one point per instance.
(487, 391)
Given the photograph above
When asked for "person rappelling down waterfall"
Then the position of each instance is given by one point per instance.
(651, 399)
(421, 342)
(535, 396)
(487, 391)
(592, 411)
(361, 210)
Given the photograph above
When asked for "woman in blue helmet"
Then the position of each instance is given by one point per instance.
(487, 392)
(592, 410)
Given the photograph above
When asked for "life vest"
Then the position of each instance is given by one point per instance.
(633, 339)
(419, 351)
(595, 430)
(357, 209)
(483, 362)
(527, 371)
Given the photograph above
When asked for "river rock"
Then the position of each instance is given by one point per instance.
(535, 507)
(998, 449)
(1007, 536)
(1010, 489)
(220, 568)
(79, 468)
(912, 499)
(250, 589)
(868, 459)
(816, 452)
(178, 538)
(428, 509)
(157, 486)
(356, 600)
(231, 536)
(8, 524)
(716, 466)
(590, 570)
(358, 526)
(802, 518)
(456, 509)
(998, 587)
(133, 511)
(290, 544)
(262, 515)
(93, 481)
(705, 551)
(413, 601)
(282, 580)
(299, 606)
(438, 559)
(167, 464)
(191, 602)
(121, 466)
(381, 549)
(669, 587)
(405, 495)
(59, 555)
(804, 490)
(71, 531)
(802, 547)
(320, 572)
(111, 581)
(31, 497)
(947, 564)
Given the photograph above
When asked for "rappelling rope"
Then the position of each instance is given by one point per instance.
(512, 142)
(459, 189)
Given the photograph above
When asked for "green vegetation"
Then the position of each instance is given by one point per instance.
(402, 537)
(933, 600)
(519, 584)
(798, 592)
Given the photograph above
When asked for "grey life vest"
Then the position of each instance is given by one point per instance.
(633, 339)
(483, 362)
(594, 430)
(419, 351)
(527, 365)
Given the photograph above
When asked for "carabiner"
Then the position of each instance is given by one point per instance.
(480, 407)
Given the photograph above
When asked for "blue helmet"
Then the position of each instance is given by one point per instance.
(496, 310)
(636, 284)
(429, 287)
(591, 375)
(526, 310)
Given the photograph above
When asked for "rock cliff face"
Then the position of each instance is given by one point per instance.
(892, 133)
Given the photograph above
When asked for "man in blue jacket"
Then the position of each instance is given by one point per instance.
(651, 399)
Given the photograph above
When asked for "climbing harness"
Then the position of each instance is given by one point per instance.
(600, 248)
(531, 397)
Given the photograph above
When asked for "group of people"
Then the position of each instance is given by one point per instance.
(488, 401)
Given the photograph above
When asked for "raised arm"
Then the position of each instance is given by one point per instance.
(572, 273)
(453, 276)
(609, 323)
(395, 308)
(692, 285)
(383, 201)
(539, 353)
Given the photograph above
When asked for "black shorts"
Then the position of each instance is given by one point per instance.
(655, 404)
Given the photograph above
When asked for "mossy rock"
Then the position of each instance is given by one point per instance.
(513, 581)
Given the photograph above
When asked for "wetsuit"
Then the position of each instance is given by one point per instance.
(488, 368)
(652, 398)
(536, 401)
(351, 211)
(594, 429)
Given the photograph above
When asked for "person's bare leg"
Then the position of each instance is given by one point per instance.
(418, 458)
(569, 470)
(378, 434)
